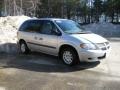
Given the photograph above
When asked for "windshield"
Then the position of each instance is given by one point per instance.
(69, 26)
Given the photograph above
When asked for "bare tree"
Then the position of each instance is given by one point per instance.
(20, 7)
(32, 10)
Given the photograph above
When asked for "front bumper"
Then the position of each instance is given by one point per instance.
(93, 55)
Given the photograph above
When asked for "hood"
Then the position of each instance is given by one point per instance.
(94, 38)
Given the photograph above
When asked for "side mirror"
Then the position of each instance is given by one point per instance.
(56, 32)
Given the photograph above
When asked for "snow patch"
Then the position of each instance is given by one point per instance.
(8, 32)
(9, 26)
(104, 29)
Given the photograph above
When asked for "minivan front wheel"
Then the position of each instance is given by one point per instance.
(69, 56)
(23, 48)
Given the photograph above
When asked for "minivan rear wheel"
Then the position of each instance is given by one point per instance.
(69, 56)
(24, 48)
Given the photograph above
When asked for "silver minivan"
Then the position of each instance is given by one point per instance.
(64, 38)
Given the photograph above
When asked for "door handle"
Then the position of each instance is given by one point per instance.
(35, 37)
(40, 38)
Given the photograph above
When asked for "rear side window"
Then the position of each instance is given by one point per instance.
(31, 26)
(24, 26)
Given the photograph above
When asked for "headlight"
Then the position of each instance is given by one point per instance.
(88, 46)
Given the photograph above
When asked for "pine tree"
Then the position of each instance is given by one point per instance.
(97, 9)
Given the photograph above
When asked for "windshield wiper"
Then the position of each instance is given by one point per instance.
(82, 32)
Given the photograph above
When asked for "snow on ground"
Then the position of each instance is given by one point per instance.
(13, 21)
(8, 32)
(108, 30)
(9, 26)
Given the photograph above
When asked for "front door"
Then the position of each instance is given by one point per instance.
(49, 38)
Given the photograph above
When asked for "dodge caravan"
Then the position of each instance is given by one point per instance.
(64, 38)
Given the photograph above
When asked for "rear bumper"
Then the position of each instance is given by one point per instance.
(93, 55)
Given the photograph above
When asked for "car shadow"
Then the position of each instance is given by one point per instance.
(41, 63)
(11, 58)
(8, 48)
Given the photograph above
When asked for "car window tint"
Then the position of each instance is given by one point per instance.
(24, 26)
(33, 26)
(48, 27)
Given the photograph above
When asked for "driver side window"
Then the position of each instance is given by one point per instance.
(48, 28)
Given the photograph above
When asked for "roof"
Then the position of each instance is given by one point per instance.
(52, 19)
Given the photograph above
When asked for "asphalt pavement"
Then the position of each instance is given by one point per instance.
(38, 71)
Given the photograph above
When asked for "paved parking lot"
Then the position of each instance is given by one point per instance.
(38, 71)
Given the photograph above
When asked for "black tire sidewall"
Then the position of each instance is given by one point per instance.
(26, 48)
(74, 54)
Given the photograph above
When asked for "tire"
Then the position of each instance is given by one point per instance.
(24, 48)
(69, 56)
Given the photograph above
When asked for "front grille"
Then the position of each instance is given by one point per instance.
(100, 45)
(107, 43)
(108, 47)
(103, 46)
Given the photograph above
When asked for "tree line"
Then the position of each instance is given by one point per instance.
(86, 11)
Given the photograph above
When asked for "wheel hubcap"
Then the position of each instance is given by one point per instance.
(23, 48)
(67, 57)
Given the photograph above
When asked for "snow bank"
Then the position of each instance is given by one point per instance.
(8, 32)
(104, 29)
(12, 22)
(9, 26)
